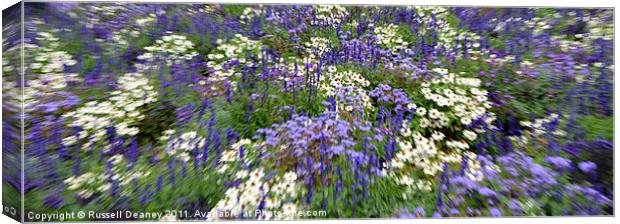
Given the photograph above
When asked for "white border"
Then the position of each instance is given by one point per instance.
(511, 3)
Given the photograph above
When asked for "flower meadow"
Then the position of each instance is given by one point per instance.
(275, 112)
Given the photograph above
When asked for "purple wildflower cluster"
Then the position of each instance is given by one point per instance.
(356, 111)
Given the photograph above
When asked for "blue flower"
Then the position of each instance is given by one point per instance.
(587, 166)
(558, 162)
(487, 192)
(495, 212)
(419, 212)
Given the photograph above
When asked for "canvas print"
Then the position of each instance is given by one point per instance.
(190, 111)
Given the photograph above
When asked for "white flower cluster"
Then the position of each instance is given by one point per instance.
(121, 36)
(250, 12)
(149, 19)
(46, 85)
(236, 50)
(494, 59)
(182, 145)
(46, 60)
(11, 92)
(538, 25)
(231, 157)
(426, 156)
(453, 94)
(91, 183)
(315, 48)
(294, 72)
(414, 185)
(346, 84)
(277, 193)
(471, 42)
(88, 184)
(119, 111)
(352, 99)
(107, 9)
(538, 131)
(388, 37)
(419, 184)
(437, 119)
(451, 104)
(598, 28)
(539, 127)
(474, 168)
(329, 15)
(172, 47)
(11, 95)
(447, 34)
(333, 79)
(568, 46)
(208, 9)
(583, 71)
(47, 79)
(106, 15)
(47, 66)
(422, 156)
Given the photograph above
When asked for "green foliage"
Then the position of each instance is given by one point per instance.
(597, 127)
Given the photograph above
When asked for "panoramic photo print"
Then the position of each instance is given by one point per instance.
(188, 111)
